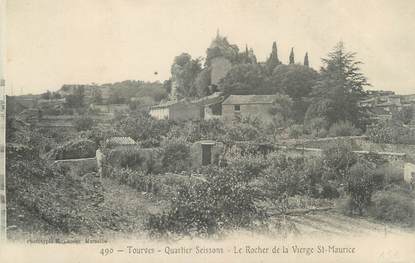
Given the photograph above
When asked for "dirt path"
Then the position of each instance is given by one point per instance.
(131, 206)
(335, 224)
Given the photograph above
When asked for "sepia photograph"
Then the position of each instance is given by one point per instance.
(207, 131)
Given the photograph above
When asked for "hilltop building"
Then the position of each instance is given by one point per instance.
(381, 104)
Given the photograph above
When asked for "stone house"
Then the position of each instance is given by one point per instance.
(176, 111)
(242, 106)
(211, 106)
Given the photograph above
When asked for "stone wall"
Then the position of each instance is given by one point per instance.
(358, 143)
(78, 167)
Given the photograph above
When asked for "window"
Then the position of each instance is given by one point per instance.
(237, 107)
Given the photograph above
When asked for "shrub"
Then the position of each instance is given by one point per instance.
(249, 166)
(147, 160)
(360, 187)
(176, 156)
(295, 131)
(221, 202)
(317, 127)
(391, 132)
(84, 123)
(329, 191)
(75, 149)
(405, 115)
(394, 207)
(343, 128)
(339, 157)
(389, 174)
(137, 180)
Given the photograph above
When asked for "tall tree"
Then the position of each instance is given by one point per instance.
(184, 72)
(245, 79)
(306, 63)
(273, 60)
(292, 60)
(296, 81)
(340, 88)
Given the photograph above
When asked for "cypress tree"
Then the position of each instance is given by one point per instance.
(306, 63)
(292, 60)
(273, 60)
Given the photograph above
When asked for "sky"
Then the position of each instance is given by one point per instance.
(54, 42)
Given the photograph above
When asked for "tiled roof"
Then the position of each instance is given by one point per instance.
(120, 141)
(166, 104)
(215, 98)
(249, 99)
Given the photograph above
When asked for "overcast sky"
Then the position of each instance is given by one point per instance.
(52, 42)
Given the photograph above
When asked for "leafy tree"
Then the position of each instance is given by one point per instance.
(76, 100)
(360, 185)
(292, 59)
(142, 128)
(297, 82)
(282, 110)
(245, 79)
(338, 158)
(339, 88)
(184, 71)
(115, 97)
(405, 115)
(294, 80)
(84, 123)
(306, 63)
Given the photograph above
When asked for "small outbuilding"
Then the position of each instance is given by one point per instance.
(117, 142)
(205, 152)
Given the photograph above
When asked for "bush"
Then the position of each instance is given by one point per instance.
(391, 132)
(147, 160)
(84, 123)
(176, 156)
(339, 157)
(221, 202)
(317, 127)
(343, 128)
(249, 166)
(295, 131)
(329, 191)
(389, 174)
(75, 149)
(360, 186)
(394, 207)
(137, 180)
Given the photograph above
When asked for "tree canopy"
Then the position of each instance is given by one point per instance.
(339, 88)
